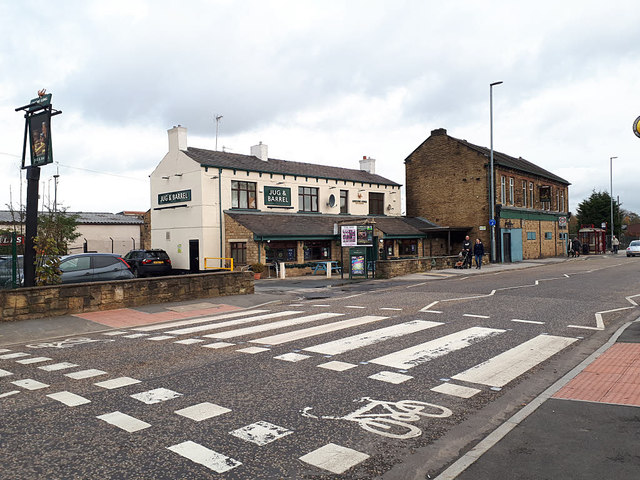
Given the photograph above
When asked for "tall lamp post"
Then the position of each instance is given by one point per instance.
(611, 195)
(493, 195)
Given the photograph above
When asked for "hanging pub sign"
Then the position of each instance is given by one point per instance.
(277, 196)
(40, 138)
(356, 236)
(636, 127)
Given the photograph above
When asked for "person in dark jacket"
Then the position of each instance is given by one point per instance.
(478, 252)
(576, 246)
(466, 252)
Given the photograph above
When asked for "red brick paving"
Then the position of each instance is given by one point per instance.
(127, 317)
(614, 377)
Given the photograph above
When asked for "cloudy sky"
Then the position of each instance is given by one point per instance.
(320, 82)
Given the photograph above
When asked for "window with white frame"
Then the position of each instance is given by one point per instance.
(511, 193)
(308, 199)
(562, 201)
(243, 194)
(557, 200)
(503, 190)
(524, 193)
(531, 197)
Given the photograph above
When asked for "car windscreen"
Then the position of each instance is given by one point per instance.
(160, 255)
(635, 243)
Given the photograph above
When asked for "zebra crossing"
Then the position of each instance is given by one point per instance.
(239, 329)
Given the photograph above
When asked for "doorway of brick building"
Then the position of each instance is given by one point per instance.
(506, 247)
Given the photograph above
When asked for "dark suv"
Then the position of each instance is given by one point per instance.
(148, 262)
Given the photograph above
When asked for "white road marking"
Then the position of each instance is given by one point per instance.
(82, 374)
(136, 335)
(112, 334)
(456, 390)
(292, 357)
(57, 366)
(273, 326)
(202, 411)
(320, 305)
(28, 361)
(189, 341)
(117, 383)
(431, 311)
(156, 395)
(426, 309)
(161, 337)
(391, 377)
(261, 433)
(30, 384)
(503, 368)
(217, 345)
(194, 321)
(475, 316)
(527, 321)
(334, 458)
(353, 306)
(68, 398)
(599, 319)
(10, 356)
(5, 373)
(8, 394)
(424, 352)
(371, 338)
(313, 331)
(253, 350)
(231, 323)
(337, 366)
(4, 350)
(124, 421)
(211, 459)
(390, 308)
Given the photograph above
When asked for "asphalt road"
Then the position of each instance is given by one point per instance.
(380, 379)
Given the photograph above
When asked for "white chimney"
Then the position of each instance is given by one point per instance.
(177, 138)
(368, 164)
(260, 151)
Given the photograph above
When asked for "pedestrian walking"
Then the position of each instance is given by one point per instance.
(466, 252)
(575, 244)
(615, 243)
(478, 252)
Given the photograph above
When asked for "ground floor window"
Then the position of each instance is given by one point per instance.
(317, 250)
(281, 251)
(239, 253)
(388, 248)
(531, 235)
(408, 246)
(548, 235)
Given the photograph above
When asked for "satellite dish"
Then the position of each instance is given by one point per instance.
(332, 200)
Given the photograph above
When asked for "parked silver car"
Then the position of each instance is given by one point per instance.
(633, 249)
(94, 267)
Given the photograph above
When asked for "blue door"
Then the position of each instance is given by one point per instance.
(515, 244)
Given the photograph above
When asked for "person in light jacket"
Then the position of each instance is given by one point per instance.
(478, 252)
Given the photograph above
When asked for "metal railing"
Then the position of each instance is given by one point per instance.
(223, 261)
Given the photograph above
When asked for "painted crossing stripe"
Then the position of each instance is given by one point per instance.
(82, 374)
(156, 396)
(456, 390)
(69, 399)
(30, 384)
(424, 352)
(195, 452)
(193, 321)
(313, 331)
(11, 356)
(334, 458)
(370, 338)
(124, 421)
(8, 394)
(117, 383)
(58, 366)
(202, 411)
(231, 323)
(29, 361)
(5, 373)
(273, 326)
(261, 433)
(501, 369)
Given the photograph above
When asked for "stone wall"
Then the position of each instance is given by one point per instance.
(51, 301)
(396, 268)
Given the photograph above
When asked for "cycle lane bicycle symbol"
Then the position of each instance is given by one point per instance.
(392, 419)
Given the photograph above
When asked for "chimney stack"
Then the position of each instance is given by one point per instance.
(260, 151)
(177, 138)
(368, 164)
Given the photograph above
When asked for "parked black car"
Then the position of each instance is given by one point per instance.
(93, 267)
(149, 262)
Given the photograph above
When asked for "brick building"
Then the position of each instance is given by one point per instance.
(448, 182)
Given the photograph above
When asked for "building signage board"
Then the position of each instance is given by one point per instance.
(277, 196)
(6, 240)
(174, 197)
(357, 236)
(562, 221)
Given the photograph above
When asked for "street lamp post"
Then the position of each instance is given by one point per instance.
(492, 193)
(611, 195)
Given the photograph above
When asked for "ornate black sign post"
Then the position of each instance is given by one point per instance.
(37, 128)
